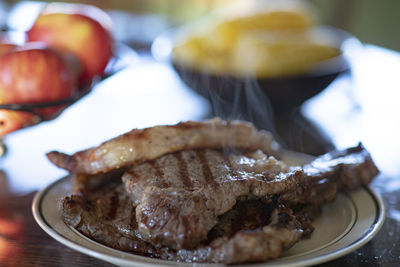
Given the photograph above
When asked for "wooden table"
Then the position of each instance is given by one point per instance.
(362, 108)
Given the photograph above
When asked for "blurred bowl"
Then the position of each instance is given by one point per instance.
(284, 92)
(123, 57)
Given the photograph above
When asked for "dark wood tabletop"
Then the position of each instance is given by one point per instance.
(362, 107)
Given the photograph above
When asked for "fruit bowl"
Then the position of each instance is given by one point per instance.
(67, 50)
(123, 57)
(33, 108)
(284, 93)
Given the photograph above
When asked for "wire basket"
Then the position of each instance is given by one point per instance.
(124, 56)
(33, 108)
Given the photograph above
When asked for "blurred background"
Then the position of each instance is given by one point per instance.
(138, 22)
(141, 91)
(374, 22)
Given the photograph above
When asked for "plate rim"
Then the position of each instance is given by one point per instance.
(361, 241)
(374, 228)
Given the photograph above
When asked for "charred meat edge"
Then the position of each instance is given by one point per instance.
(140, 145)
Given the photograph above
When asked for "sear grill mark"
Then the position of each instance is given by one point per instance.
(114, 203)
(208, 176)
(183, 170)
(159, 173)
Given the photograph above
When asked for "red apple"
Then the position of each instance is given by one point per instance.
(13, 120)
(33, 76)
(80, 29)
(6, 47)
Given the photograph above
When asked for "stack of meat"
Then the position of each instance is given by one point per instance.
(212, 191)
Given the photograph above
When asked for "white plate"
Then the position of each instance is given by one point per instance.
(344, 225)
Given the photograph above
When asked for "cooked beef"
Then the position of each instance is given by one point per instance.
(259, 242)
(140, 145)
(174, 218)
(108, 217)
(341, 169)
(213, 206)
(252, 230)
(193, 170)
(180, 195)
(193, 182)
(82, 183)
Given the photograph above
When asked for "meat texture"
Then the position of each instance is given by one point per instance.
(150, 143)
(216, 206)
(179, 196)
(108, 217)
(250, 231)
(253, 245)
(209, 191)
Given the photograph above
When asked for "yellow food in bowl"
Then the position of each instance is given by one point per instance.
(263, 54)
(262, 43)
(227, 33)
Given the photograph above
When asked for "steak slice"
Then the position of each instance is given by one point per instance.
(140, 145)
(255, 241)
(252, 230)
(338, 170)
(106, 215)
(180, 195)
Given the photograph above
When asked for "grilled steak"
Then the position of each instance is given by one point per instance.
(180, 195)
(150, 143)
(252, 230)
(108, 217)
(202, 192)
(260, 242)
